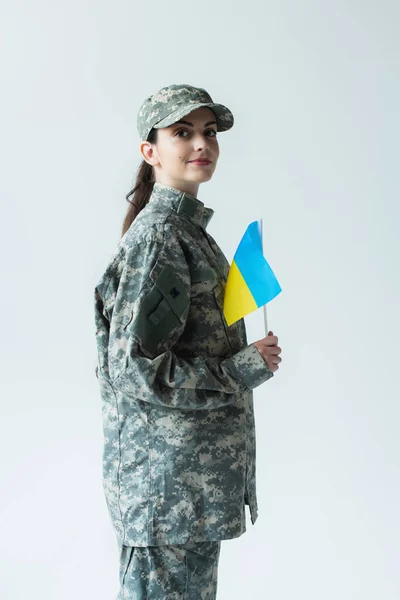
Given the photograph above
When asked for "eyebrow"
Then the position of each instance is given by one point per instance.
(191, 124)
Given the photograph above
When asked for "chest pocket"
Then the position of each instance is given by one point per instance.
(203, 279)
(207, 301)
(206, 282)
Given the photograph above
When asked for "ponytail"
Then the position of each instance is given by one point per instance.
(143, 188)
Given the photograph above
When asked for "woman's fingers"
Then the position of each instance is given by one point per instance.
(270, 351)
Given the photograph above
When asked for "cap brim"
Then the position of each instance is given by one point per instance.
(223, 115)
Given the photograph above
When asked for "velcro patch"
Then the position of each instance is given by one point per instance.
(173, 290)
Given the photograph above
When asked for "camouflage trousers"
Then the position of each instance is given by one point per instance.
(169, 572)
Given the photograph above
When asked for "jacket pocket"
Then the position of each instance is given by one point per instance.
(204, 274)
(203, 280)
(173, 293)
(206, 282)
(158, 324)
(125, 559)
(163, 311)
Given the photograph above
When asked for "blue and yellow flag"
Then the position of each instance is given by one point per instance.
(251, 282)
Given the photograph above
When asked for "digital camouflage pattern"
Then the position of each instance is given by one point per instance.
(173, 102)
(184, 571)
(175, 381)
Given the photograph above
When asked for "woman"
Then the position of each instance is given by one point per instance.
(176, 381)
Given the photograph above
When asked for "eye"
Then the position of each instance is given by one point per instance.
(179, 131)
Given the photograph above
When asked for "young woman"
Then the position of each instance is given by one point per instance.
(176, 382)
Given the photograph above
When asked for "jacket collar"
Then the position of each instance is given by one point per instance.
(181, 202)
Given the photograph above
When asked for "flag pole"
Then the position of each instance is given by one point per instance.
(265, 306)
(265, 320)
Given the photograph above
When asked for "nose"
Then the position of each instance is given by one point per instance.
(200, 142)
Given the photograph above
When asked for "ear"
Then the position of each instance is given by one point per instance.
(149, 153)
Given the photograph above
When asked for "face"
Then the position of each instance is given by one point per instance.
(192, 137)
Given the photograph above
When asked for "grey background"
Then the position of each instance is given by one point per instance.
(314, 88)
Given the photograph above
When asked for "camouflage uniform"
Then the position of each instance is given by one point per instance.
(183, 571)
(176, 382)
(176, 388)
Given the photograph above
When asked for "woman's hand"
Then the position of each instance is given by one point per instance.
(270, 351)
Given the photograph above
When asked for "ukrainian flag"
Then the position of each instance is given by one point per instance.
(251, 282)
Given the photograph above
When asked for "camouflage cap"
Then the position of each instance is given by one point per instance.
(173, 102)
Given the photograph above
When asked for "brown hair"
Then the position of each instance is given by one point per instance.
(143, 188)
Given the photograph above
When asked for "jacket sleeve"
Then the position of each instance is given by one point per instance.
(151, 306)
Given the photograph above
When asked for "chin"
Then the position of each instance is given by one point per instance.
(200, 177)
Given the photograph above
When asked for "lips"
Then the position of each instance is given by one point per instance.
(200, 162)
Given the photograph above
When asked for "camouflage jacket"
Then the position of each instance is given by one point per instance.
(175, 382)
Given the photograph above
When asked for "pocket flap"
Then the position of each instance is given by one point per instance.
(205, 274)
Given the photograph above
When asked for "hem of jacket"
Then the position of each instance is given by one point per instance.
(253, 513)
(174, 540)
